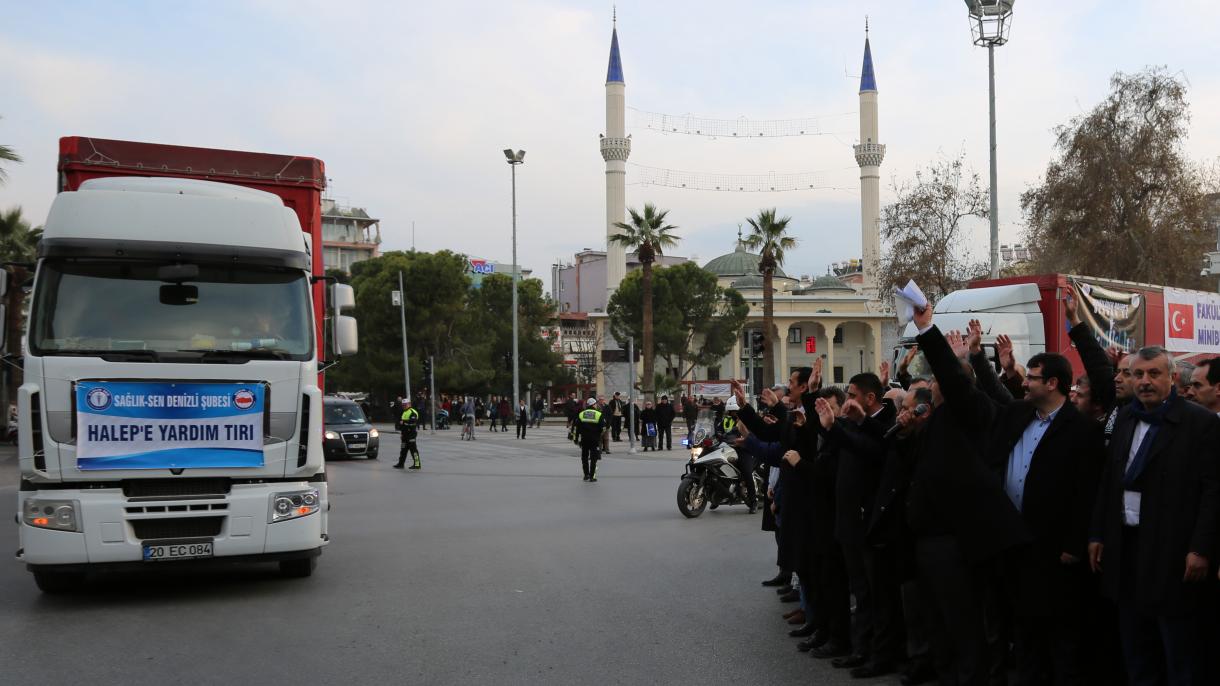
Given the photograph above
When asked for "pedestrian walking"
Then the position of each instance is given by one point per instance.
(618, 408)
(505, 411)
(493, 413)
(408, 427)
(591, 425)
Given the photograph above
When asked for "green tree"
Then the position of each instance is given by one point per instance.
(1121, 199)
(696, 321)
(649, 236)
(490, 319)
(768, 236)
(18, 247)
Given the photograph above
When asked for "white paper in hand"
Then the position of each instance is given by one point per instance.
(906, 300)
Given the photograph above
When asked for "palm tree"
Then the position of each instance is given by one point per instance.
(18, 244)
(7, 154)
(648, 235)
(768, 240)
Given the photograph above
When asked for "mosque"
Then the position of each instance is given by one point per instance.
(838, 319)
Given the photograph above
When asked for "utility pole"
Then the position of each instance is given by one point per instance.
(402, 315)
(631, 395)
(432, 389)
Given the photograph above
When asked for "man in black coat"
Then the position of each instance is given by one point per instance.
(960, 517)
(665, 423)
(876, 636)
(1048, 456)
(617, 409)
(1156, 526)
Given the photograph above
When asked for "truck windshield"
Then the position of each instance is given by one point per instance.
(209, 313)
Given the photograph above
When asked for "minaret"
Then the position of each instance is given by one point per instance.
(869, 154)
(615, 148)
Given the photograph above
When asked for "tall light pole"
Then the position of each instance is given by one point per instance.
(990, 21)
(401, 296)
(515, 158)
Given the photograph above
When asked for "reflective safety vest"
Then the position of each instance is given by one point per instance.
(591, 416)
(410, 416)
(728, 423)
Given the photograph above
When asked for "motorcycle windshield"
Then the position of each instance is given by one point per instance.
(705, 427)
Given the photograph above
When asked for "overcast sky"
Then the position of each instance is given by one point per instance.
(409, 104)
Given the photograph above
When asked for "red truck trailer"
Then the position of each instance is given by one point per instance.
(298, 181)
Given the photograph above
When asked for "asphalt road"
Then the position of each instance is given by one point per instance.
(494, 564)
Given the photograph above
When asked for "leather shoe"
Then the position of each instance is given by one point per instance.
(806, 645)
(792, 613)
(918, 673)
(872, 671)
(803, 632)
(829, 649)
(849, 661)
(797, 619)
(783, 590)
(778, 580)
(790, 597)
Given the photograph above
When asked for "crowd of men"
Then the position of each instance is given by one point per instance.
(980, 522)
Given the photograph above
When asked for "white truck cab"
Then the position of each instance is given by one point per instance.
(170, 409)
(1012, 310)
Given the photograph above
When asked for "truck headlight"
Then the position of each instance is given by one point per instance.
(331, 436)
(60, 515)
(374, 433)
(293, 504)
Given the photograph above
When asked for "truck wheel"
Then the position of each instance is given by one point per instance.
(691, 498)
(59, 582)
(298, 569)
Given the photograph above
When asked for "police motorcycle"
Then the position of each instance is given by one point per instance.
(712, 476)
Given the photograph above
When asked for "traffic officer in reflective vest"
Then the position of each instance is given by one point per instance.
(745, 461)
(408, 425)
(590, 423)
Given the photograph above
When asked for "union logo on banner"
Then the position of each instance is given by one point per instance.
(1181, 321)
(244, 399)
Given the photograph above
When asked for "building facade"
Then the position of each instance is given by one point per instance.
(579, 286)
(349, 235)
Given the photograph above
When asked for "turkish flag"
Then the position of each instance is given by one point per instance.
(1181, 321)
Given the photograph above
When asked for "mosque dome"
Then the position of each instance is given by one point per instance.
(751, 283)
(739, 263)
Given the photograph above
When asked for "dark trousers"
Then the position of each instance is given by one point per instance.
(589, 455)
(408, 447)
(954, 595)
(881, 566)
(855, 556)
(830, 596)
(1158, 649)
(1048, 650)
(665, 436)
(521, 424)
(916, 616)
(503, 423)
(616, 426)
(745, 463)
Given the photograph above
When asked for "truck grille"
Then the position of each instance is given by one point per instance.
(357, 437)
(168, 489)
(177, 527)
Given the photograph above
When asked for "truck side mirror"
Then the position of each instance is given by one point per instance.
(346, 336)
(344, 297)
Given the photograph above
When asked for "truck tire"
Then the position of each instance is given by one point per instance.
(53, 583)
(299, 568)
(692, 498)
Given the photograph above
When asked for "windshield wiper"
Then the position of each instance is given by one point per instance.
(121, 355)
(241, 356)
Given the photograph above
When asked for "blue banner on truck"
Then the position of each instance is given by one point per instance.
(146, 425)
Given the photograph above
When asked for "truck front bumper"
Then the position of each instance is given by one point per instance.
(114, 528)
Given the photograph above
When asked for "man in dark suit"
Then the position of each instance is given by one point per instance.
(960, 517)
(1156, 526)
(1048, 456)
(617, 409)
(665, 422)
(876, 631)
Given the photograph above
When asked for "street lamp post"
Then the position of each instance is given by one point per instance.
(990, 21)
(514, 159)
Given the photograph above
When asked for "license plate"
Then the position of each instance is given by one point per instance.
(178, 550)
(356, 446)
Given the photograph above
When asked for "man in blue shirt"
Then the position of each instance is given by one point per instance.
(1049, 457)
